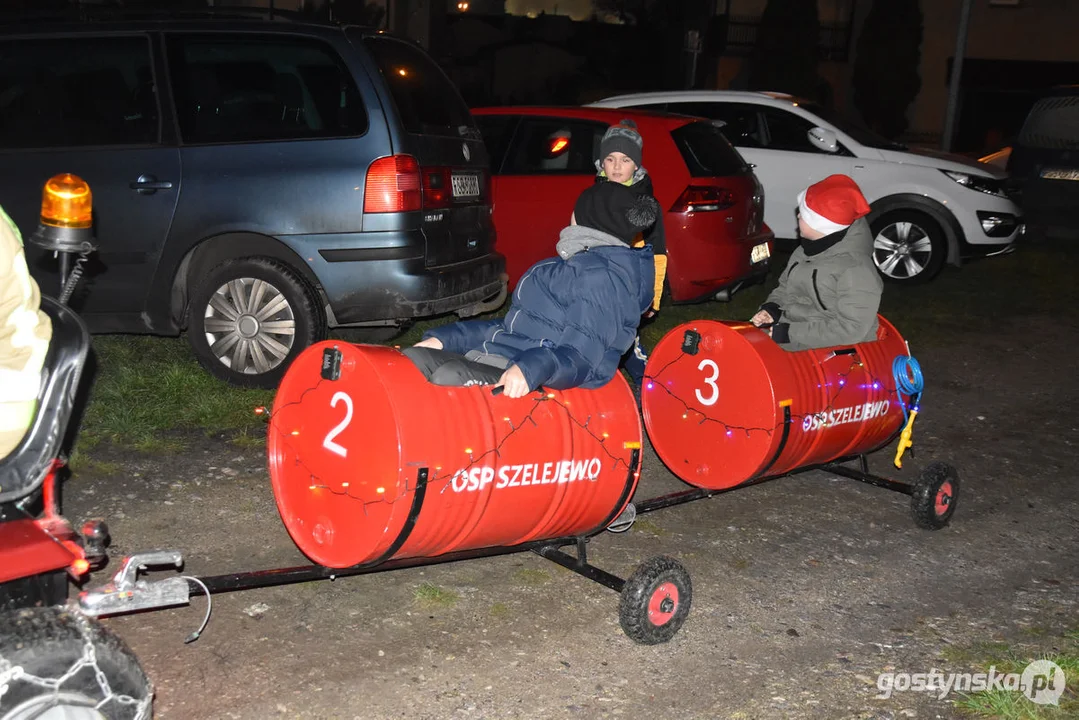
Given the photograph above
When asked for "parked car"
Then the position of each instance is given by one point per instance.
(1044, 163)
(542, 158)
(254, 182)
(928, 207)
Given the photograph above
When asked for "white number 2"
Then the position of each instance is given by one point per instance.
(710, 382)
(328, 443)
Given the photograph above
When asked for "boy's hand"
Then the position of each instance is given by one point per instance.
(430, 342)
(513, 382)
(763, 317)
(650, 313)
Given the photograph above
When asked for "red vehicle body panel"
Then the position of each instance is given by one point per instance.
(33, 546)
(29, 550)
(707, 251)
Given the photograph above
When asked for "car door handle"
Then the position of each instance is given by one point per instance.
(148, 184)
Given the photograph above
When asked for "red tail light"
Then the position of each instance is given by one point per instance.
(697, 198)
(393, 185)
(437, 188)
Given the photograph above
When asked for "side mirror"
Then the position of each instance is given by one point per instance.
(823, 139)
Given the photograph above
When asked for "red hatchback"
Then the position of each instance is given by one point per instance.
(542, 158)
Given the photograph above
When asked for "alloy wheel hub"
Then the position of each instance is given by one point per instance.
(249, 325)
(902, 250)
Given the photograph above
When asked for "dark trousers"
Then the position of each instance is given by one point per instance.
(442, 367)
(635, 360)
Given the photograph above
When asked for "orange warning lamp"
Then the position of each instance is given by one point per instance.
(67, 202)
(66, 221)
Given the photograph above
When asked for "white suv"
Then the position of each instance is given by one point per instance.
(928, 207)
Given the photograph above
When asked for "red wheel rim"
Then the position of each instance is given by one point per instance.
(663, 604)
(943, 501)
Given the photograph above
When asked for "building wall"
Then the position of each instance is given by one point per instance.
(829, 10)
(1033, 31)
(1038, 30)
(292, 5)
(476, 7)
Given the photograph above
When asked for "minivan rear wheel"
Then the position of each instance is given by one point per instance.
(909, 247)
(249, 318)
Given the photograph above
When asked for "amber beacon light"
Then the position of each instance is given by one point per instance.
(66, 227)
(66, 221)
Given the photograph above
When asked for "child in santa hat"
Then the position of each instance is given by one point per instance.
(829, 293)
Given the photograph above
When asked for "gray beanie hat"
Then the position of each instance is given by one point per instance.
(624, 138)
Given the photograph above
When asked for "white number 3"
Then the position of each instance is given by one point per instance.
(328, 443)
(710, 382)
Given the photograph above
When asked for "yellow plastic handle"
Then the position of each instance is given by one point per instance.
(904, 439)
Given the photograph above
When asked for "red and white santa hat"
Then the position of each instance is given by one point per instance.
(832, 204)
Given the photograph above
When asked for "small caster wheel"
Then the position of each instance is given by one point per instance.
(655, 601)
(935, 495)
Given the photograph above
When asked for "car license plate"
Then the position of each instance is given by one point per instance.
(1060, 174)
(760, 253)
(465, 185)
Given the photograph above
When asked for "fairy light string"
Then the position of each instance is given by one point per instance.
(654, 381)
(542, 399)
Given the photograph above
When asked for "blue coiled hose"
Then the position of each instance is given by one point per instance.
(908, 381)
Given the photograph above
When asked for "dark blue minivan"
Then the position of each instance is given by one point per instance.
(254, 181)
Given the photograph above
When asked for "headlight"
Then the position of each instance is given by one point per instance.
(989, 186)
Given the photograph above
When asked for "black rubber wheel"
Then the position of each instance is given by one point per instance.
(47, 643)
(935, 496)
(250, 318)
(909, 246)
(655, 601)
